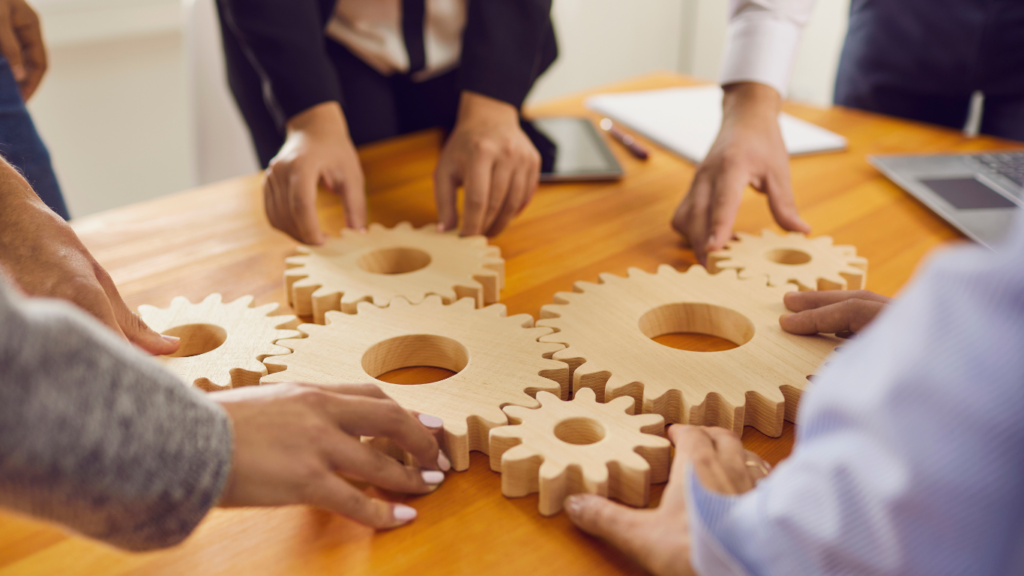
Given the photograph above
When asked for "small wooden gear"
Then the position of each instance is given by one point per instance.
(384, 263)
(609, 330)
(810, 263)
(580, 446)
(497, 360)
(222, 345)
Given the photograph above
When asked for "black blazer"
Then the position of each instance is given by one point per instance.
(506, 45)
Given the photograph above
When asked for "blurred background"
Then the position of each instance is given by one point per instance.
(135, 105)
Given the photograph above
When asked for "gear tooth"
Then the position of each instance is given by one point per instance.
(634, 272)
(497, 310)
(698, 270)
(609, 278)
(243, 301)
(823, 241)
(566, 354)
(265, 309)
(179, 301)
(214, 299)
(375, 227)
(524, 321)
(518, 453)
(583, 286)
(331, 317)
(517, 414)
(547, 399)
(562, 298)
(146, 310)
(404, 225)
(621, 404)
(666, 270)
(585, 395)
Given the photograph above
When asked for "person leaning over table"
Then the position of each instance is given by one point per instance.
(97, 437)
(917, 59)
(316, 78)
(909, 451)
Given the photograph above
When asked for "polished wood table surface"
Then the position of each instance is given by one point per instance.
(216, 239)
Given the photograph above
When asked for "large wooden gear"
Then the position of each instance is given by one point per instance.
(222, 345)
(580, 446)
(810, 263)
(385, 263)
(497, 359)
(609, 330)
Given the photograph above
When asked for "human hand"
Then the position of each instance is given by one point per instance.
(748, 151)
(21, 42)
(659, 539)
(317, 150)
(44, 257)
(493, 159)
(293, 440)
(831, 311)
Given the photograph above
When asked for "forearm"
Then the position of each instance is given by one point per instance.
(96, 436)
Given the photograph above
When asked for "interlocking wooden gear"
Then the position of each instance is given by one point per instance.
(609, 330)
(497, 360)
(222, 345)
(580, 446)
(810, 263)
(385, 263)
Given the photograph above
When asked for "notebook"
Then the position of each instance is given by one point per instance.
(686, 121)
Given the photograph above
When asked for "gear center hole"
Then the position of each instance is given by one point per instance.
(697, 327)
(579, 431)
(197, 339)
(415, 359)
(788, 256)
(397, 260)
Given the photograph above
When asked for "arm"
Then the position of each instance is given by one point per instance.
(907, 453)
(749, 151)
(21, 43)
(506, 45)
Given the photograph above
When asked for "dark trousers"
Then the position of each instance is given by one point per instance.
(21, 146)
(922, 60)
(375, 106)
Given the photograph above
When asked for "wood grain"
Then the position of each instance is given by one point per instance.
(216, 239)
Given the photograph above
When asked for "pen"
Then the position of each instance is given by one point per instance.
(626, 140)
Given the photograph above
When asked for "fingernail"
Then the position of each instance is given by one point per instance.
(19, 72)
(443, 462)
(573, 505)
(170, 339)
(430, 421)
(403, 513)
(432, 476)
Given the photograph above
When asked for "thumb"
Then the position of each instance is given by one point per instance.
(135, 330)
(627, 529)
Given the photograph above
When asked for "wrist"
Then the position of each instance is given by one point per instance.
(475, 107)
(744, 99)
(326, 118)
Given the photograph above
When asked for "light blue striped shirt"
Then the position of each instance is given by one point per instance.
(909, 456)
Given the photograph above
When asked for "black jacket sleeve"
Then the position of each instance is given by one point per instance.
(284, 41)
(506, 46)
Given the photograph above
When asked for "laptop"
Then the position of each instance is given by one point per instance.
(979, 194)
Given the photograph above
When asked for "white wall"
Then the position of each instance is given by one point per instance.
(115, 111)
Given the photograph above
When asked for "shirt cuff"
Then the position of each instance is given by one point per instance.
(707, 513)
(760, 50)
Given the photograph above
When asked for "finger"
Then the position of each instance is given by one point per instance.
(478, 186)
(301, 202)
(363, 416)
(353, 195)
(800, 301)
(518, 190)
(688, 441)
(732, 457)
(33, 49)
(697, 219)
(727, 192)
(695, 444)
(334, 494)
(627, 529)
(846, 316)
(10, 46)
(781, 201)
(133, 328)
(532, 184)
(359, 461)
(272, 194)
(446, 186)
(501, 183)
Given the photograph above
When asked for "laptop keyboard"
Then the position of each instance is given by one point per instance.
(1007, 165)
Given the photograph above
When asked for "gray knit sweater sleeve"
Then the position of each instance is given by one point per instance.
(98, 437)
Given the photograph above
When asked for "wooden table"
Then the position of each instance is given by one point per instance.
(216, 239)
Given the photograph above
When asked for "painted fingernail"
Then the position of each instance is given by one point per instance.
(403, 513)
(432, 476)
(430, 421)
(443, 462)
(170, 339)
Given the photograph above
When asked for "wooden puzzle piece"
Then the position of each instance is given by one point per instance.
(497, 360)
(580, 446)
(385, 263)
(222, 345)
(609, 330)
(810, 263)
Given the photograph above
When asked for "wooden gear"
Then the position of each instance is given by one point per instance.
(222, 345)
(580, 446)
(810, 263)
(385, 263)
(497, 360)
(609, 330)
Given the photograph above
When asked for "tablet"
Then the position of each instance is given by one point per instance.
(571, 149)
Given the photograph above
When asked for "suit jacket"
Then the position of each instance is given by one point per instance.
(506, 45)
